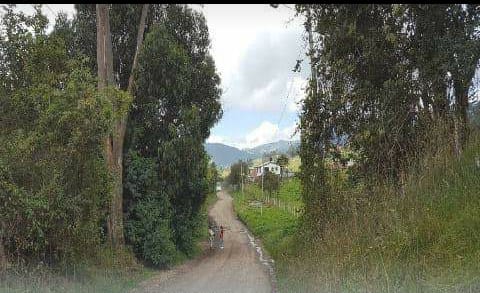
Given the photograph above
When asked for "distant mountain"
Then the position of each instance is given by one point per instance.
(280, 147)
(224, 155)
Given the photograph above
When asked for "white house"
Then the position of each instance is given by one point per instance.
(257, 171)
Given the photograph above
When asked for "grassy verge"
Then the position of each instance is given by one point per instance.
(108, 273)
(273, 224)
(101, 280)
(424, 241)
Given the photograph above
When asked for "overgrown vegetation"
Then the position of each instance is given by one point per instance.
(390, 79)
(111, 271)
(54, 184)
(424, 241)
(65, 185)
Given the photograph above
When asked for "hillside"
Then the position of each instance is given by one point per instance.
(281, 146)
(225, 155)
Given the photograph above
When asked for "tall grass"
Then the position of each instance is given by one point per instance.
(108, 272)
(427, 240)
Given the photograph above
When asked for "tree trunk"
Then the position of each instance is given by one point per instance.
(122, 123)
(141, 30)
(460, 117)
(3, 256)
(457, 149)
(314, 78)
(114, 143)
(105, 78)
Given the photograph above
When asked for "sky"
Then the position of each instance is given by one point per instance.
(255, 48)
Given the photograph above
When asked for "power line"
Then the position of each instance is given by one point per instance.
(287, 97)
(285, 104)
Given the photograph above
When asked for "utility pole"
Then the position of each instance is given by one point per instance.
(241, 173)
(263, 173)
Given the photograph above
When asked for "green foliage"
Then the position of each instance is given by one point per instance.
(282, 160)
(124, 37)
(387, 77)
(148, 228)
(235, 175)
(54, 183)
(212, 177)
(176, 103)
(121, 100)
(271, 182)
(394, 80)
(290, 192)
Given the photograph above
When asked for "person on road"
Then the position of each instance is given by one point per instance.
(221, 236)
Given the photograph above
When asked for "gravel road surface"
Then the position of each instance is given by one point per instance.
(236, 268)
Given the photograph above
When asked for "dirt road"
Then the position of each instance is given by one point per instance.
(236, 268)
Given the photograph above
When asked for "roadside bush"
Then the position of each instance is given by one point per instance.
(54, 184)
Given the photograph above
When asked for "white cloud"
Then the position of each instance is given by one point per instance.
(266, 132)
(215, 139)
(255, 47)
(234, 27)
(264, 78)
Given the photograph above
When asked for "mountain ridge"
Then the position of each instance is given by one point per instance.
(224, 155)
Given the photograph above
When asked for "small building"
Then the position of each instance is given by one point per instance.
(258, 171)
